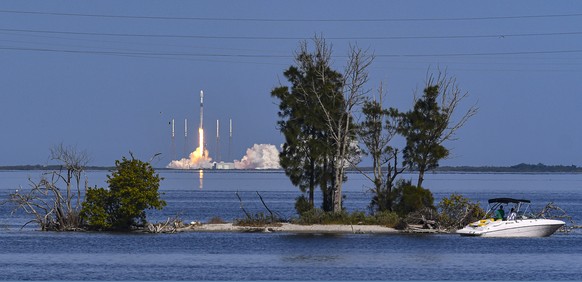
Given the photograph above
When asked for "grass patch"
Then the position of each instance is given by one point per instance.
(318, 216)
(216, 220)
(258, 220)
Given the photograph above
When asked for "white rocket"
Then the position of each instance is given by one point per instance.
(201, 109)
(201, 128)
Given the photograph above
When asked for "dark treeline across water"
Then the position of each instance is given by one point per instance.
(519, 168)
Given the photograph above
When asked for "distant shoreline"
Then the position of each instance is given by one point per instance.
(519, 168)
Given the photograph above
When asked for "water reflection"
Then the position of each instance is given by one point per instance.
(201, 177)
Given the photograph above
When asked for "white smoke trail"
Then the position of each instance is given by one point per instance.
(260, 156)
(197, 160)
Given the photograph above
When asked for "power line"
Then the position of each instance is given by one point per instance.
(543, 52)
(141, 53)
(149, 35)
(291, 38)
(547, 52)
(292, 20)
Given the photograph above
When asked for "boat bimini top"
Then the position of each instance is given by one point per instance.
(521, 206)
(508, 200)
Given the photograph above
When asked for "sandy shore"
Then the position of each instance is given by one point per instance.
(292, 228)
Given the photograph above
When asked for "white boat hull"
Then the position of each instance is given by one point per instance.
(513, 228)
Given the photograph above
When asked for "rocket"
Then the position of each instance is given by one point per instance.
(172, 128)
(201, 109)
(201, 128)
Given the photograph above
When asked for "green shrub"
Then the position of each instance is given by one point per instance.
(216, 220)
(257, 220)
(302, 205)
(133, 188)
(318, 216)
(96, 209)
(386, 218)
(410, 198)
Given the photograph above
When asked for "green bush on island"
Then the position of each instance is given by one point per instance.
(133, 188)
(318, 216)
(257, 220)
(216, 220)
(302, 205)
(410, 198)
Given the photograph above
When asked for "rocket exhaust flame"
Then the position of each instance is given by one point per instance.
(260, 156)
(199, 158)
(201, 142)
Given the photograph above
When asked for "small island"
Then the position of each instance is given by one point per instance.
(292, 228)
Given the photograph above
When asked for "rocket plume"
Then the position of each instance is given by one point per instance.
(196, 160)
(260, 156)
(199, 158)
(201, 142)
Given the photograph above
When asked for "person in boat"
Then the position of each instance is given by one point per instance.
(512, 215)
(499, 213)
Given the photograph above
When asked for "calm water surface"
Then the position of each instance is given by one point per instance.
(28, 254)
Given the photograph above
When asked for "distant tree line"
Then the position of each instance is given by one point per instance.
(519, 168)
(522, 167)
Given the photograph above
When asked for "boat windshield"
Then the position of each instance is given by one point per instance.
(521, 207)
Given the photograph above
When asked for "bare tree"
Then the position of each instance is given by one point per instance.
(317, 121)
(51, 207)
(376, 131)
(451, 96)
(73, 163)
(338, 118)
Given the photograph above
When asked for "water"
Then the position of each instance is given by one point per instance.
(33, 255)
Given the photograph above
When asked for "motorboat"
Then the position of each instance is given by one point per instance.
(522, 223)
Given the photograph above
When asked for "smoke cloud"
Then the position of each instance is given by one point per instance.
(196, 160)
(260, 156)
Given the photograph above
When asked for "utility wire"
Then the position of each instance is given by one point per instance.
(96, 52)
(546, 52)
(291, 38)
(292, 20)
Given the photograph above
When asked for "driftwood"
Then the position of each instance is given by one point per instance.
(242, 207)
(258, 218)
(422, 221)
(552, 211)
(171, 225)
(274, 216)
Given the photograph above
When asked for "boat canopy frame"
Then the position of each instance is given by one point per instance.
(521, 211)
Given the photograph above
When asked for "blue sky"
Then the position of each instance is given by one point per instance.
(108, 76)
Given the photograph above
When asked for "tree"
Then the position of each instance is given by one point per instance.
(430, 124)
(376, 132)
(340, 125)
(316, 119)
(307, 147)
(53, 207)
(133, 188)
